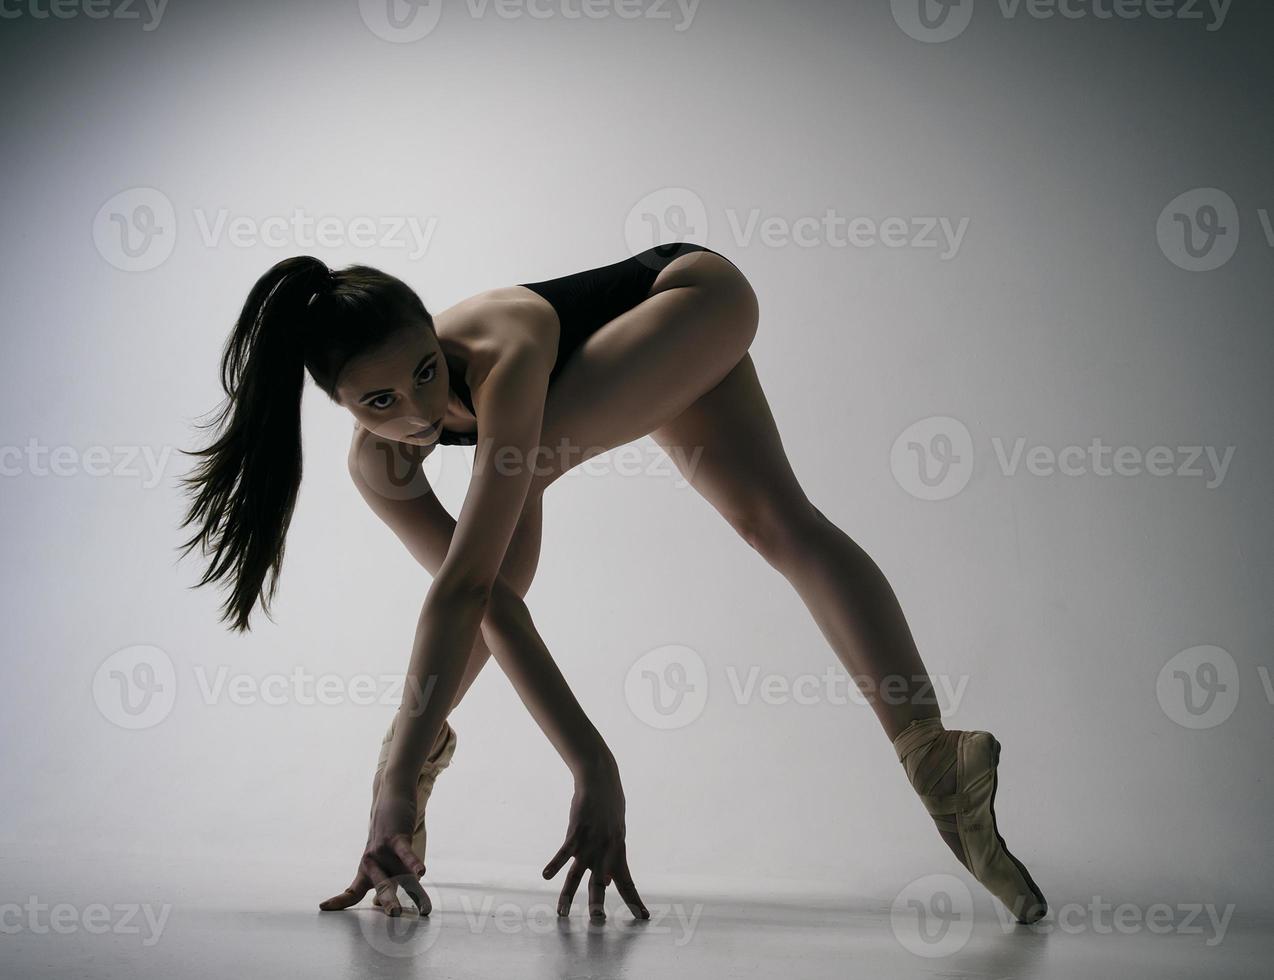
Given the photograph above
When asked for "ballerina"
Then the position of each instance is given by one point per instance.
(656, 344)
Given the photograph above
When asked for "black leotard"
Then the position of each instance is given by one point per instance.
(585, 302)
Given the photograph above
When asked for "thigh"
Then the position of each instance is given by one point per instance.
(727, 446)
(648, 365)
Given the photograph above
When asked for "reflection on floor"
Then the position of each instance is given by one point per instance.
(479, 933)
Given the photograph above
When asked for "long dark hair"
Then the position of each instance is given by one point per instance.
(299, 316)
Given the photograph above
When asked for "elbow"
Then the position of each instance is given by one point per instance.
(469, 593)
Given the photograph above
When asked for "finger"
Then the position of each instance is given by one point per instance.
(597, 895)
(402, 848)
(628, 891)
(391, 859)
(560, 858)
(416, 890)
(387, 898)
(386, 888)
(350, 896)
(573, 878)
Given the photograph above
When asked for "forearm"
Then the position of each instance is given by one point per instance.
(517, 647)
(445, 635)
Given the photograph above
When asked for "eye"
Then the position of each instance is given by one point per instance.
(375, 402)
(427, 375)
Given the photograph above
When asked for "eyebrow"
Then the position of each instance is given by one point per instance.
(424, 362)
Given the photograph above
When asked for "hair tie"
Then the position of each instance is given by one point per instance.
(324, 284)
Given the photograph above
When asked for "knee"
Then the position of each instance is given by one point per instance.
(778, 531)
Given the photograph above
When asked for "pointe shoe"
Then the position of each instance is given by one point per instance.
(963, 807)
(435, 764)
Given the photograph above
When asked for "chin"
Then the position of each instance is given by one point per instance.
(419, 442)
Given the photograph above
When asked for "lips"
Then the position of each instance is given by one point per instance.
(426, 431)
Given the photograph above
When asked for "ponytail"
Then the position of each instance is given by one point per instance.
(245, 485)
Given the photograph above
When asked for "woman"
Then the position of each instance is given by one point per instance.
(540, 377)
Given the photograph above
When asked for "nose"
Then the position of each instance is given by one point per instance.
(418, 414)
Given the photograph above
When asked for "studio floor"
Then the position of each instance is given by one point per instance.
(474, 932)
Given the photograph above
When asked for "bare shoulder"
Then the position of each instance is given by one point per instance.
(496, 321)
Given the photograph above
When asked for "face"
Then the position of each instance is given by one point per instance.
(399, 390)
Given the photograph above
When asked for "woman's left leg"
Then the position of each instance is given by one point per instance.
(740, 467)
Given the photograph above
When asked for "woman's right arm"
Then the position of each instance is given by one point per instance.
(389, 477)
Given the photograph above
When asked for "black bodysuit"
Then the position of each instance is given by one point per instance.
(585, 302)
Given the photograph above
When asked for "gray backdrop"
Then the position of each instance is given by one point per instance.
(1015, 290)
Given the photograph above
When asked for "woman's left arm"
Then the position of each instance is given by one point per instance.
(509, 403)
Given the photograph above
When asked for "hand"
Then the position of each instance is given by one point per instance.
(388, 860)
(595, 839)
